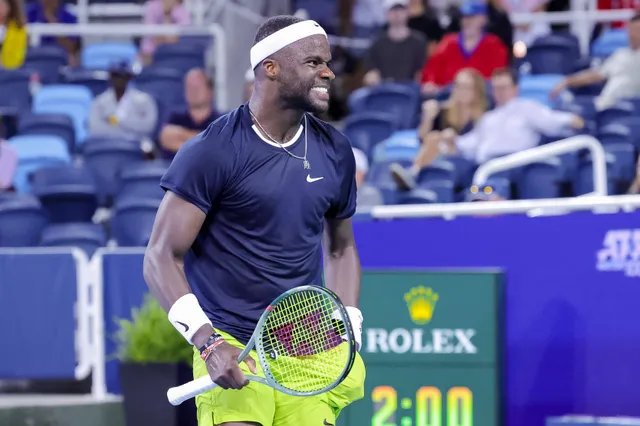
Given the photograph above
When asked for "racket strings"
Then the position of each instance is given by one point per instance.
(302, 340)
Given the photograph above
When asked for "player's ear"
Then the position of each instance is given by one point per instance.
(271, 68)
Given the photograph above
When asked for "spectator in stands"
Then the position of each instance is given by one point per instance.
(498, 22)
(362, 166)
(121, 110)
(620, 70)
(8, 165)
(514, 125)
(526, 33)
(53, 12)
(398, 54)
(183, 125)
(471, 48)
(249, 78)
(440, 126)
(423, 20)
(14, 45)
(158, 12)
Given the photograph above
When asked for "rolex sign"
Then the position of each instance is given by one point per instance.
(431, 347)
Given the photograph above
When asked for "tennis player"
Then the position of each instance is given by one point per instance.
(248, 203)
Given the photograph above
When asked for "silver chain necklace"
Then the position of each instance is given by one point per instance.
(305, 162)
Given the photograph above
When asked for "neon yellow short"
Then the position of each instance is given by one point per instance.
(261, 404)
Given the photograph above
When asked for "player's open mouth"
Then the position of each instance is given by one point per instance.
(321, 93)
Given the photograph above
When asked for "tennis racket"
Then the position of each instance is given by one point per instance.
(305, 346)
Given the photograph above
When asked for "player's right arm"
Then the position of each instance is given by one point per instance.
(193, 182)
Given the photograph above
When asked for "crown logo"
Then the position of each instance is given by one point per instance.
(421, 302)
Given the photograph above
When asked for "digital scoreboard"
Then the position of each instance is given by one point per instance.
(432, 346)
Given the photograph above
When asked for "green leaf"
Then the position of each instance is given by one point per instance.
(149, 337)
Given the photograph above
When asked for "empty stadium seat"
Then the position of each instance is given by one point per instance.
(613, 114)
(493, 186)
(36, 152)
(418, 196)
(133, 220)
(624, 164)
(100, 56)
(400, 101)
(401, 145)
(15, 93)
(608, 42)
(86, 236)
(72, 100)
(96, 81)
(105, 158)
(367, 129)
(583, 178)
(552, 54)
(463, 169)
(540, 180)
(142, 180)
(630, 124)
(539, 87)
(22, 220)
(165, 85)
(436, 171)
(379, 174)
(68, 193)
(46, 61)
(49, 124)
(443, 188)
(369, 196)
(180, 57)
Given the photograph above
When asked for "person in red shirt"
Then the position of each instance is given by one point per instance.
(471, 48)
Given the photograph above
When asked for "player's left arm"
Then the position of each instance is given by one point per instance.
(342, 271)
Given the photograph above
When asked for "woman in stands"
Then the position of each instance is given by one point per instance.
(441, 124)
(14, 43)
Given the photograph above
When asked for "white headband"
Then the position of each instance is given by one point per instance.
(282, 38)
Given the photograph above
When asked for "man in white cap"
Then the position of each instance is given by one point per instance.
(399, 53)
(248, 203)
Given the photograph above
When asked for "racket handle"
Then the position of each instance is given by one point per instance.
(179, 394)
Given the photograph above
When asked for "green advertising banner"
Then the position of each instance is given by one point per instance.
(432, 343)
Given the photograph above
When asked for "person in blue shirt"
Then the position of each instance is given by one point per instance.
(251, 205)
(52, 12)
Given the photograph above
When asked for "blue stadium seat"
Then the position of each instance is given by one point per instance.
(142, 180)
(49, 124)
(438, 170)
(540, 180)
(499, 186)
(54, 94)
(615, 113)
(608, 42)
(22, 220)
(369, 196)
(180, 57)
(100, 56)
(68, 193)
(581, 105)
(552, 54)
(631, 124)
(165, 85)
(418, 196)
(379, 174)
(133, 220)
(86, 236)
(367, 129)
(15, 92)
(400, 101)
(401, 145)
(539, 87)
(463, 169)
(105, 158)
(443, 188)
(624, 164)
(583, 179)
(615, 133)
(35, 152)
(46, 61)
(96, 81)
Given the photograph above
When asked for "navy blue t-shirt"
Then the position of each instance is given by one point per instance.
(265, 213)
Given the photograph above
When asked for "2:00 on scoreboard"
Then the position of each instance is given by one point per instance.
(426, 408)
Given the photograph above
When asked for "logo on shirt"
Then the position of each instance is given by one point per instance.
(620, 252)
(186, 327)
(311, 180)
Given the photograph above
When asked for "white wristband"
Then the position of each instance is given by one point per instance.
(187, 316)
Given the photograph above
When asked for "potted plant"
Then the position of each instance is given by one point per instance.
(153, 357)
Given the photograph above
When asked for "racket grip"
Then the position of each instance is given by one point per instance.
(179, 394)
